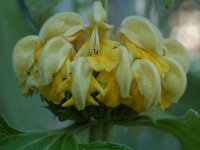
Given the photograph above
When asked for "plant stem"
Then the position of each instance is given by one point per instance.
(96, 133)
(107, 131)
(100, 132)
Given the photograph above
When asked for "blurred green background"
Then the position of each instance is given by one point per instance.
(19, 18)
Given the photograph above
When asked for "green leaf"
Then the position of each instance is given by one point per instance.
(101, 145)
(185, 128)
(40, 10)
(11, 139)
(169, 4)
(5, 129)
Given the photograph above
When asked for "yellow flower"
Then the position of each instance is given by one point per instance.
(144, 41)
(53, 67)
(75, 65)
(37, 60)
(123, 71)
(23, 60)
(100, 51)
(99, 54)
(146, 86)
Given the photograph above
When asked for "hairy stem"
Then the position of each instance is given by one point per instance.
(100, 132)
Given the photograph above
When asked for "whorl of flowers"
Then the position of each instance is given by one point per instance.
(72, 64)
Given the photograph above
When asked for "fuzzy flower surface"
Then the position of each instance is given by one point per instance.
(73, 64)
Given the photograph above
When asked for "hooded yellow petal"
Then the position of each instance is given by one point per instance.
(178, 52)
(123, 72)
(60, 83)
(97, 15)
(148, 82)
(173, 84)
(23, 55)
(60, 24)
(52, 57)
(73, 33)
(142, 33)
(81, 76)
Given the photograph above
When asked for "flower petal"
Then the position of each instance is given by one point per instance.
(52, 58)
(25, 89)
(174, 83)
(178, 52)
(107, 59)
(111, 94)
(142, 33)
(148, 82)
(60, 24)
(81, 76)
(23, 55)
(73, 33)
(97, 15)
(123, 72)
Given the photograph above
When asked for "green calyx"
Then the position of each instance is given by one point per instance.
(101, 113)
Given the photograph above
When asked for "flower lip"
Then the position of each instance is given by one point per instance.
(52, 58)
(142, 33)
(177, 51)
(23, 55)
(82, 73)
(60, 24)
(148, 82)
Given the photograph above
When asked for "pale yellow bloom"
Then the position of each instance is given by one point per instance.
(53, 67)
(81, 75)
(71, 64)
(38, 59)
(145, 87)
(100, 54)
(23, 60)
(173, 84)
(99, 50)
(65, 24)
(123, 72)
(144, 41)
(176, 51)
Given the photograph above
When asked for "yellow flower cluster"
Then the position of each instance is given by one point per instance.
(140, 71)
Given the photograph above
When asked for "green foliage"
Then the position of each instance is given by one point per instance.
(103, 146)
(186, 128)
(11, 139)
(40, 11)
(169, 4)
